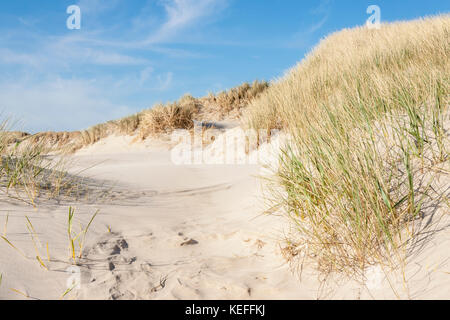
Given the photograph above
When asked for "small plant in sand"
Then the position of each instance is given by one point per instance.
(77, 240)
(36, 243)
(5, 238)
(34, 238)
(27, 172)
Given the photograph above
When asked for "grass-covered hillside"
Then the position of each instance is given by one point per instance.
(368, 113)
(159, 119)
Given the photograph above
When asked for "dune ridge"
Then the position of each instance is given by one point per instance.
(159, 120)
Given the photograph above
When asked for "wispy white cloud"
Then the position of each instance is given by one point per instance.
(11, 57)
(165, 81)
(51, 53)
(145, 80)
(110, 58)
(321, 14)
(58, 103)
(323, 11)
(319, 24)
(182, 14)
(52, 91)
(93, 47)
(145, 75)
(79, 53)
(97, 6)
(28, 22)
(323, 8)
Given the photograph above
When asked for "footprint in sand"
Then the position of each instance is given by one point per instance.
(112, 269)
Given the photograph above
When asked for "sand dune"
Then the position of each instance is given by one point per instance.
(185, 232)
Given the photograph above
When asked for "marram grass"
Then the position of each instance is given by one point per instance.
(367, 112)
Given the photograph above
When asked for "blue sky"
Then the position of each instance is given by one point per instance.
(131, 54)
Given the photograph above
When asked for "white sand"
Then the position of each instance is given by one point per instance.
(159, 206)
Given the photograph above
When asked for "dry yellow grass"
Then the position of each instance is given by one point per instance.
(359, 63)
(237, 98)
(368, 113)
(161, 119)
(166, 118)
(26, 173)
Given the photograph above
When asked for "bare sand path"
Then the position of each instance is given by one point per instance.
(199, 235)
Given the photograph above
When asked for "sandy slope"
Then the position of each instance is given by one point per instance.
(186, 232)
